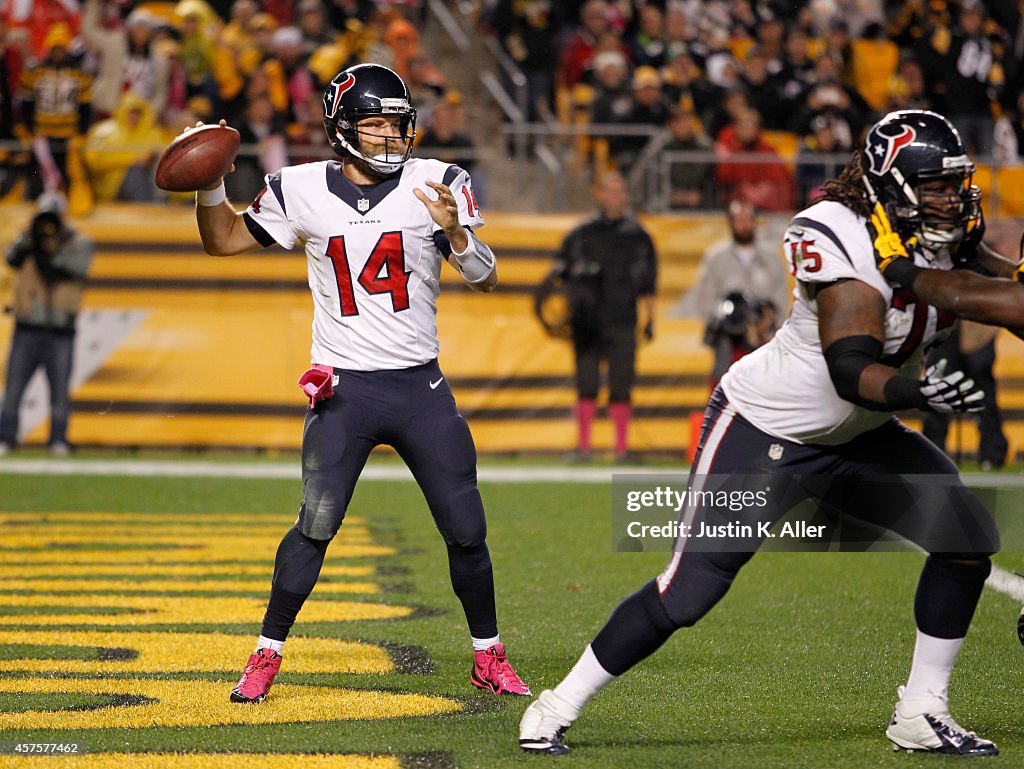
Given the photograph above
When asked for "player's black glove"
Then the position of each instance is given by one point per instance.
(950, 393)
(891, 255)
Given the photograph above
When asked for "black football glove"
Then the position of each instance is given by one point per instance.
(950, 393)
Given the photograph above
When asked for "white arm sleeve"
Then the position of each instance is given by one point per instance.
(475, 263)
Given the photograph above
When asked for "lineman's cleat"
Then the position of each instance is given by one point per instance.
(544, 723)
(935, 732)
(491, 671)
(257, 677)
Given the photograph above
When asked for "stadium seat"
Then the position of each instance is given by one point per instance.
(874, 62)
(1010, 189)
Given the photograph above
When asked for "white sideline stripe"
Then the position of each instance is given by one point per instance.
(1007, 583)
(292, 471)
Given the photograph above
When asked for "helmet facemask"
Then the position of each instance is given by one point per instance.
(396, 149)
(936, 207)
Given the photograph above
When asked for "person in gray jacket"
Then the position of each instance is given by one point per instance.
(52, 261)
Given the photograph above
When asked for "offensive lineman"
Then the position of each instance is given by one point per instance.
(817, 400)
(374, 241)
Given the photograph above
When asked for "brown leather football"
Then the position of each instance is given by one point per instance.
(197, 158)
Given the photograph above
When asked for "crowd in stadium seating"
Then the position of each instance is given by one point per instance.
(95, 93)
(764, 78)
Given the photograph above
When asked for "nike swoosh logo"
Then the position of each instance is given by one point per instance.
(433, 385)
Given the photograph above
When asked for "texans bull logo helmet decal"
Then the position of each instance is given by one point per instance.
(332, 96)
(884, 144)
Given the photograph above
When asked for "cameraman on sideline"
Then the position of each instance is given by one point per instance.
(52, 261)
(741, 293)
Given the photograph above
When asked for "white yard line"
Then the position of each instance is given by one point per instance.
(199, 469)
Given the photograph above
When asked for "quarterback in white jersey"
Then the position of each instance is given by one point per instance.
(376, 228)
(373, 258)
(811, 411)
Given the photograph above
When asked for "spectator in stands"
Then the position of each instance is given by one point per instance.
(763, 181)
(307, 141)
(814, 166)
(609, 267)
(287, 67)
(731, 105)
(403, 39)
(15, 164)
(839, 46)
(262, 149)
(827, 94)
(56, 109)
(763, 92)
(35, 19)
(770, 35)
(972, 349)
(906, 88)
(648, 44)
(528, 33)
(613, 98)
(797, 66)
(684, 85)
(197, 25)
(312, 21)
(678, 38)
(121, 152)
(52, 261)
(741, 293)
(445, 138)
(648, 111)
(126, 61)
(972, 76)
(690, 179)
(579, 48)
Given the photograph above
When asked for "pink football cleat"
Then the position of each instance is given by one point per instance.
(257, 677)
(491, 671)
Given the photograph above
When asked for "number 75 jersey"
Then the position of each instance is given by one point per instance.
(784, 388)
(373, 257)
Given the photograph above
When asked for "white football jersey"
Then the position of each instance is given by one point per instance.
(374, 267)
(784, 387)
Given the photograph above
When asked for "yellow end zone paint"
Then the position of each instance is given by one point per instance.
(186, 652)
(169, 610)
(130, 568)
(129, 586)
(205, 703)
(204, 761)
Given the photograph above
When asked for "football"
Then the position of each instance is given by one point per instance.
(197, 158)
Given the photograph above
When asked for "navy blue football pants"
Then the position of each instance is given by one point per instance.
(414, 411)
(838, 478)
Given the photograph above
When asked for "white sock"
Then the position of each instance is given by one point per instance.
(584, 682)
(930, 671)
(483, 644)
(270, 643)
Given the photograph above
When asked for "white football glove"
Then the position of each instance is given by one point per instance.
(950, 393)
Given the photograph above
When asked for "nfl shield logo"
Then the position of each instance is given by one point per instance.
(363, 205)
(775, 451)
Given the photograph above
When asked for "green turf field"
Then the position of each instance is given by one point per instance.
(128, 606)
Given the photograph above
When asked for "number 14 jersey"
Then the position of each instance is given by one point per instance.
(373, 257)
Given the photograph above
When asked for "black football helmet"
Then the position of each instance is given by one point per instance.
(908, 148)
(362, 91)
